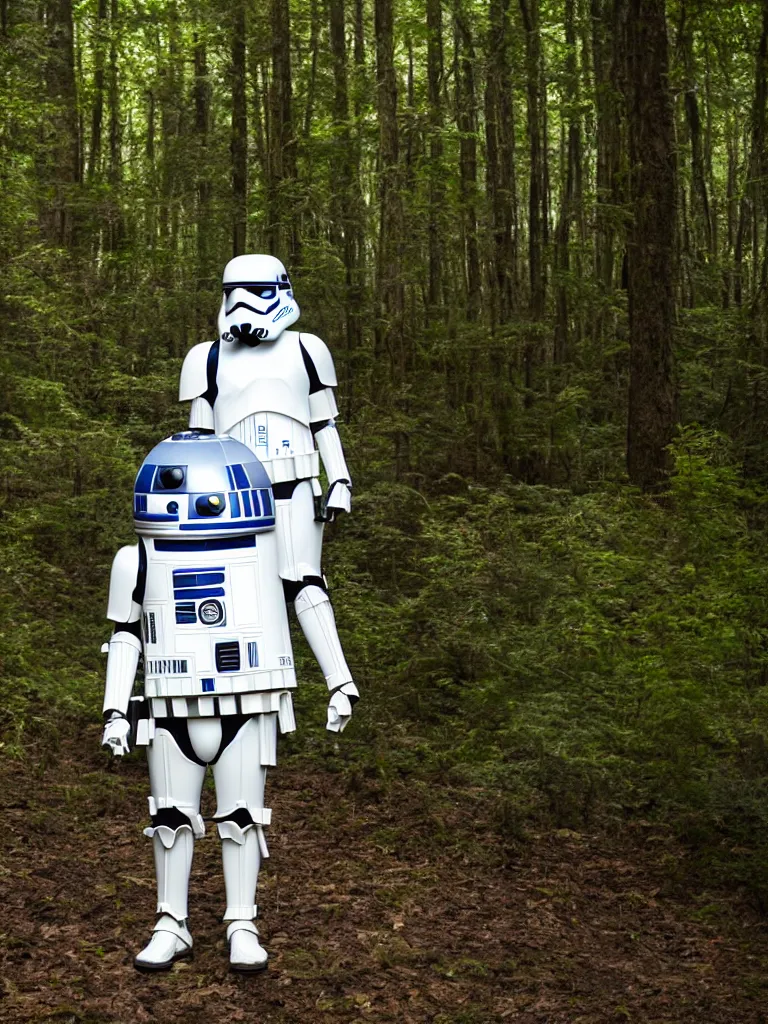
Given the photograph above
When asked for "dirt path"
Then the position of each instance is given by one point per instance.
(398, 906)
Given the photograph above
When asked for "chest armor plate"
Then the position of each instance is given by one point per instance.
(269, 378)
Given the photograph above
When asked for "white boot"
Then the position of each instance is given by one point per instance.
(246, 953)
(170, 942)
(241, 850)
(173, 849)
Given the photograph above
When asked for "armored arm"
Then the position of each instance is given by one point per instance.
(323, 412)
(124, 647)
(195, 385)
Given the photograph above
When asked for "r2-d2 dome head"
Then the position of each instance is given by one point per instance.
(194, 486)
(258, 302)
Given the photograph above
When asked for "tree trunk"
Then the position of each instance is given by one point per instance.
(97, 114)
(117, 224)
(466, 119)
(389, 326)
(436, 187)
(537, 192)
(345, 227)
(63, 167)
(239, 132)
(501, 180)
(650, 249)
(570, 196)
(283, 218)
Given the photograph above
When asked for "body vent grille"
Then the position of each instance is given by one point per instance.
(228, 656)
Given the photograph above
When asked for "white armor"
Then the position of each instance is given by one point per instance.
(201, 599)
(272, 389)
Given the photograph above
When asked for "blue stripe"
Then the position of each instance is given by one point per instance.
(197, 579)
(247, 504)
(206, 544)
(253, 523)
(232, 483)
(240, 478)
(234, 505)
(144, 479)
(189, 595)
(155, 517)
(207, 568)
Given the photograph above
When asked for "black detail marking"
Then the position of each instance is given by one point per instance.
(211, 369)
(285, 489)
(171, 817)
(141, 576)
(292, 588)
(314, 381)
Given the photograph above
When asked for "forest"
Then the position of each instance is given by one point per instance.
(534, 234)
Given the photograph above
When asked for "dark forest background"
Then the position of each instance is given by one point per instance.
(534, 235)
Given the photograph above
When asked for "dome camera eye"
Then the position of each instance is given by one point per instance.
(171, 477)
(172, 507)
(210, 505)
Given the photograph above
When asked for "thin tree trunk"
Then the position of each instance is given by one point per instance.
(390, 288)
(501, 181)
(466, 119)
(436, 187)
(63, 167)
(239, 131)
(537, 194)
(117, 224)
(345, 229)
(283, 223)
(97, 113)
(570, 190)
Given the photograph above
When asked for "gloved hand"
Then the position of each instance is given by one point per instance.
(340, 707)
(115, 735)
(339, 499)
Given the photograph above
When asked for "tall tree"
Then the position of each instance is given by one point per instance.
(389, 335)
(239, 131)
(651, 245)
(500, 170)
(466, 120)
(436, 189)
(62, 170)
(283, 219)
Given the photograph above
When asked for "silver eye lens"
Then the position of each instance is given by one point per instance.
(211, 612)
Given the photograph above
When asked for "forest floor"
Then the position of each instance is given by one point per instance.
(397, 903)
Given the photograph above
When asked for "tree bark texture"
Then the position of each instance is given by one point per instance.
(651, 245)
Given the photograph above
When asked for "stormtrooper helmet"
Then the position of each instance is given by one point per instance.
(201, 487)
(258, 302)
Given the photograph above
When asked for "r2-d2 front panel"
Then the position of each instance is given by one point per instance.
(213, 620)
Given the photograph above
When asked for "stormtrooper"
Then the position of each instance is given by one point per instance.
(201, 599)
(272, 389)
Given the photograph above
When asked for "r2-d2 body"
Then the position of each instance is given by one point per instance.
(201, 598)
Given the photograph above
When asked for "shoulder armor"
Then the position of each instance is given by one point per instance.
(318, 352)
(194, 372)
(122, 583)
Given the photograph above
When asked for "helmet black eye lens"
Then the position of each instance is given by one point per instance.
(261, 291)
(171, 477)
